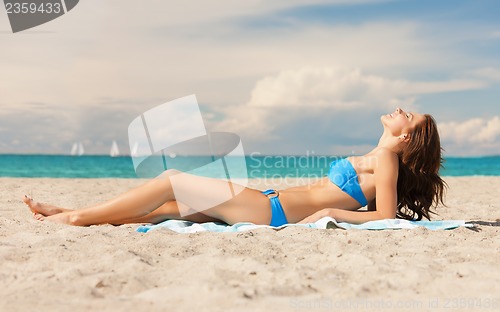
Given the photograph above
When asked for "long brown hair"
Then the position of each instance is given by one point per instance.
(419, 183)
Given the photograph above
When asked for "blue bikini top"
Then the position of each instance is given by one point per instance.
(343, 175)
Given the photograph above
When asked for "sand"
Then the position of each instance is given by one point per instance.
(52, 267)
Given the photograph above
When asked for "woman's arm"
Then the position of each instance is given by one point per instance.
(386, 184)
(354, 217)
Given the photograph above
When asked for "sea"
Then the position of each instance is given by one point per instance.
(250, 166)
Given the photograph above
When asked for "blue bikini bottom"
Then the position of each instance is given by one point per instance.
(278, 215)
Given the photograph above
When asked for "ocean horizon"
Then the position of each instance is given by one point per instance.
(257, 166)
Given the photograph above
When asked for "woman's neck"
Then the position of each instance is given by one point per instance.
(389, 141)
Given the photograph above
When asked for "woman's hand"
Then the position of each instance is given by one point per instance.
(317, 216)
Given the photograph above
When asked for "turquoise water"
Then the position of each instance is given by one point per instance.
(62, 166)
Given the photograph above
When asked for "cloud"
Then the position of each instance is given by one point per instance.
(475, 130)
(488, 73)
(317, 87)
(199, 12)
(495, 34)
(47, 128)
(472, 136)
(343, 89)
(324, 93)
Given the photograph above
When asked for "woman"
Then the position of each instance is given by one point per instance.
(398, 178)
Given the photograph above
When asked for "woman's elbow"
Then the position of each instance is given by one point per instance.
(382, 215)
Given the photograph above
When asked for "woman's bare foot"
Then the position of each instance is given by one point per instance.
(41, 210)
(64, 218)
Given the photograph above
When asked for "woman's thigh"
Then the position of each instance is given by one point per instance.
(219, 199)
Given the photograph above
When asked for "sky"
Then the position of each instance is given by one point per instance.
(288, 76)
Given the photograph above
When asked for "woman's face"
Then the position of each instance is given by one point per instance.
(401, 122)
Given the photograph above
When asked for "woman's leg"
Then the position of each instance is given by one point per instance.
(218, 199)
(42, 208)
(167, 211)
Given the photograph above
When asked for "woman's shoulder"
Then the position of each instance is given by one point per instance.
(384, 152)
(382, 158)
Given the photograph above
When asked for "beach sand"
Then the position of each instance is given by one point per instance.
(52, 267)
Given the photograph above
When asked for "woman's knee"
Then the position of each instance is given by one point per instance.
(168, 173)
(171, 172)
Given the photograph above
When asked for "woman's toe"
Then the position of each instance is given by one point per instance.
(38, 216)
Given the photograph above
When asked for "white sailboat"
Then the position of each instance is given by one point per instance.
(80, 149)
(114, 150)
(77, 149)
(74, 149)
